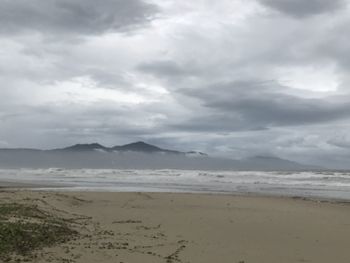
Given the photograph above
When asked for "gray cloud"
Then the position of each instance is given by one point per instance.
(262, 105)
(194, 79)
(73, 16)
(255, 113)
(167, 68)
(304, 8)
(77, 123)
(340, 141)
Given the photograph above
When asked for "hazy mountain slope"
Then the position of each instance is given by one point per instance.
(142, 147)
(85, 147)
(263, 163)
(137, 155)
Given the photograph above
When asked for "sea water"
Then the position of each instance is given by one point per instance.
(325, 184)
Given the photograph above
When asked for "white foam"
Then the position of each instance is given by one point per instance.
(323, 184)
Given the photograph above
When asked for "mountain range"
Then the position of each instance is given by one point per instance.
(137, 155)
(131, 147)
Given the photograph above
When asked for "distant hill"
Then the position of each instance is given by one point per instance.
(131, 147)
(84, 147)
(275, 163)
(143, 147)
(137, 155)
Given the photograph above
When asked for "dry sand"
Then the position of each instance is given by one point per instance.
(194, 228)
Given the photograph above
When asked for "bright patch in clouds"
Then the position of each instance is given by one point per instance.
(310, 78)
(85, 90)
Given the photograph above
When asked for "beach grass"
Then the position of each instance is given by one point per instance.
(26, 228)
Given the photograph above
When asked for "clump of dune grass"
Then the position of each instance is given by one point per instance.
(26, 228)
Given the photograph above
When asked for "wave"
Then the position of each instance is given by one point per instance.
(286, 183)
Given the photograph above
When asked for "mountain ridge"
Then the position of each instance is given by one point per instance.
(138, 146)
(139, 155)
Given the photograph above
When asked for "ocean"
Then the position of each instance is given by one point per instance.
(323, 185)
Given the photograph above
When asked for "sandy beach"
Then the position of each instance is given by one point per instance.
(165, 227)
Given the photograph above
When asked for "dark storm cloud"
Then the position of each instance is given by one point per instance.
(304, 8)
(73, 16)
(254, 105)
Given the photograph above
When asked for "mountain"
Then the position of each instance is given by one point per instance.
(266, 163)
(131, 147)
(85, 147)
(137, 155)
(142, 147)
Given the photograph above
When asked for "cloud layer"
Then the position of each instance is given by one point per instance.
(73, 16)
(301, 8)
(234, 78)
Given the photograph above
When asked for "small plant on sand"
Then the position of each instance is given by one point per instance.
(25, 228)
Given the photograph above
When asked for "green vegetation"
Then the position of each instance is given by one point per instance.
(25, 228)
(20, 210)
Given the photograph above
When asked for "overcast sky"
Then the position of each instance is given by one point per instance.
(233, 78)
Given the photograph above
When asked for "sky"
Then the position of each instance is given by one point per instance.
(232, 78)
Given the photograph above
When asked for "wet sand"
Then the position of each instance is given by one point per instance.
(198, 228)
(30, 185)
(17, 185)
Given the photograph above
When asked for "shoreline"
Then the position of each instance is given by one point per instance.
(316, 186)
(24, 186)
